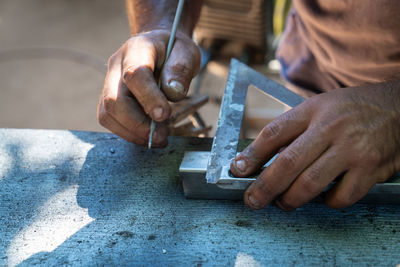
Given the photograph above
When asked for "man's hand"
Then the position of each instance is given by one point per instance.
(352, 133)
(131, 97)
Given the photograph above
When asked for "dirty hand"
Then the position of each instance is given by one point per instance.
(353, 133)
(130, 96)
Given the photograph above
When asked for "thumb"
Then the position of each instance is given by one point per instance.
(179, 70)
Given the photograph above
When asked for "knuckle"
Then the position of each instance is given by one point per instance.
(271, 131)
(108, 104)
(267, 191)
(309, 181)
(324, 129)
(158, 33)
(288, 159)
(362, 154)
(287, 204)
(191, 52)
(183, 69)
(373, 157)
(332, 122)
(262, 187)
(131, 72)
(139, 40)
(313, 101)
(340, 200)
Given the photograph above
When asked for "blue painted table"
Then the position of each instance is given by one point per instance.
(81, 198)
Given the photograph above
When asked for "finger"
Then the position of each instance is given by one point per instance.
(120, 113)
(141, 55)
(129, 113)
(285, 169)
(107, 100)
(313, 180)
(274, 136)
(179, 70)
(351, 188)
(160, 136)
(115, 127)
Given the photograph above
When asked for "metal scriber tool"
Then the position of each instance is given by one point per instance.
(169, 49)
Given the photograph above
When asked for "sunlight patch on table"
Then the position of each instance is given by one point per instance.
(246, 260)
(6, 162)
(57, 219)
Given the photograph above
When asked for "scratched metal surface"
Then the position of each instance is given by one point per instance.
(226, 138)
(81, 198)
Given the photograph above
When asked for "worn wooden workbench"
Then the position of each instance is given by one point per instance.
(79, 198)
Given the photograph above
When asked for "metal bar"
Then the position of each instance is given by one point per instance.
(194, 167)
(228, 126)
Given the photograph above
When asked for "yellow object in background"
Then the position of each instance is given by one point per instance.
(281, 10)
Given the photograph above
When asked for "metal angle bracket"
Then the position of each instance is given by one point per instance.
(206, 175)
(226, 139)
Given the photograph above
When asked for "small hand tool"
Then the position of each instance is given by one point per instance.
(169, 48)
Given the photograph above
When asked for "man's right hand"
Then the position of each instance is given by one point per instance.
(131, 97)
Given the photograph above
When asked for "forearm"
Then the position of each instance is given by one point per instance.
(146, 15)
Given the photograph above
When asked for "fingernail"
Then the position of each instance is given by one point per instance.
(241, 165)
(157, 113)
(177, 87)
(253, 201)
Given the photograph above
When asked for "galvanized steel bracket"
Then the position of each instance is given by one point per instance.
(224, 147)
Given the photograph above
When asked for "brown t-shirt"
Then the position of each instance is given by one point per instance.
(341, 43)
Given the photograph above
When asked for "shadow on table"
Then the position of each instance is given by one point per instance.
(140, 217)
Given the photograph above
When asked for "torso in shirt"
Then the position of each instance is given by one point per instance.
(341, 43)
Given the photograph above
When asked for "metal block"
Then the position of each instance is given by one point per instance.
(193, 173)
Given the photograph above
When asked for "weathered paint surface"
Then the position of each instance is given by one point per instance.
(79, 198)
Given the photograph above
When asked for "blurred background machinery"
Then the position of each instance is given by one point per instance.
(250, 31)
(253, 25)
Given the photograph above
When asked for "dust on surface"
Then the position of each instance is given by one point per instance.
(124, 234)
